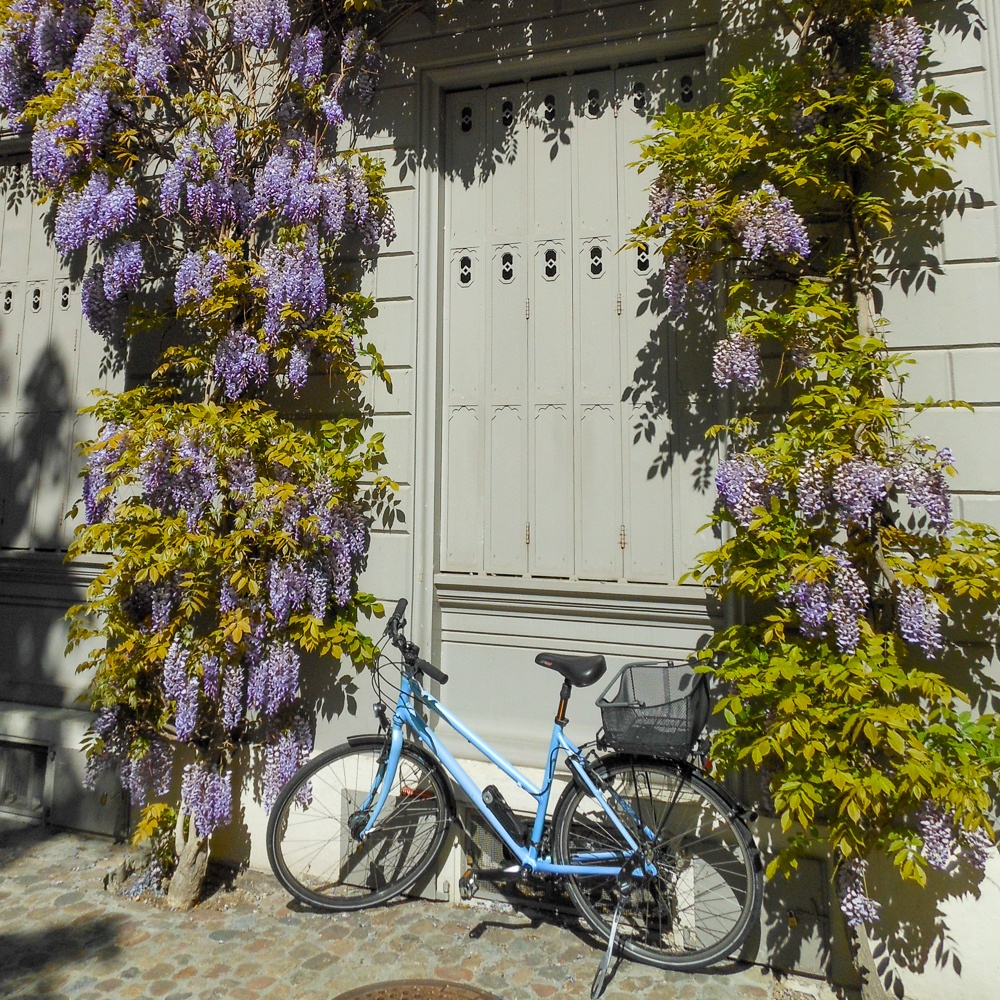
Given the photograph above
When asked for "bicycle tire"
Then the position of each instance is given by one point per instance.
(706, 896)
(309, 843)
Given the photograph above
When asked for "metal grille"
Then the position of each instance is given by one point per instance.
(22, 778)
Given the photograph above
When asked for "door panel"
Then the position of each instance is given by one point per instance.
(545, 332)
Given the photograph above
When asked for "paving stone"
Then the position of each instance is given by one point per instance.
(71, 940)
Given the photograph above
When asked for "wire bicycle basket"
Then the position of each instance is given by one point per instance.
(660, 708)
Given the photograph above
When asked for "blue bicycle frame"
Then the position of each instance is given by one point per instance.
(528, 856)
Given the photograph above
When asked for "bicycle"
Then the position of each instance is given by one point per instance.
(655, 855)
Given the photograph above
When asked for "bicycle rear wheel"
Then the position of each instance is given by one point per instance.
(311, 832)
(705, 897)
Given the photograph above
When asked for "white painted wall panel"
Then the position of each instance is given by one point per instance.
(972, 436)
(976, 373)
(958, 306)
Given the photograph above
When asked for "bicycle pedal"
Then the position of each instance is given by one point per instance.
(468, 885)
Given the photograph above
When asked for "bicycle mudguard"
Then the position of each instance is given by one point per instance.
(426, 758)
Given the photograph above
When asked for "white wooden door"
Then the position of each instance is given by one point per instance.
(543, 474)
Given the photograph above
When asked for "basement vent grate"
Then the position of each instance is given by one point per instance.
(22, 778)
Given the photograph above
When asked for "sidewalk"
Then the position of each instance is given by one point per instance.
(63, 936)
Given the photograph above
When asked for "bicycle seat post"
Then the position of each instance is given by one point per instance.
(564, 694)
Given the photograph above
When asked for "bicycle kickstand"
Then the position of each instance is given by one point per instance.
(600, 977)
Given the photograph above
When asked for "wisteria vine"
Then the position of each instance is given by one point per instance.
(838, 536)
(196, 159)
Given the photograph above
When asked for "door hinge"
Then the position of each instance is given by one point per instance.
(527, 308)
(621, 538)
(527, 532)
(619, 305)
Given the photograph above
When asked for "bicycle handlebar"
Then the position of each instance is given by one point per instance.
(393, 629)
(428, 668)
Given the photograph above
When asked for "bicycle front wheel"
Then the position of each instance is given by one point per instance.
(312, 831)
(705, 897)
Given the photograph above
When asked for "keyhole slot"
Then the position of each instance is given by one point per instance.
(508, 114)
(550, 107)
(687, 89)
(465, 119)
(639, 98)
(594, 102)
(8, 300)
(596, 262)
(507, 268)
(465, 271)
(642, 258)
(551, 265)
(64, 297)
(36, 299)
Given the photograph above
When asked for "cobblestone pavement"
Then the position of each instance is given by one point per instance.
(63, 936)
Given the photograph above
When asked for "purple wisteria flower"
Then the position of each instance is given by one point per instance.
(233, 684)
(240, 365)
(295, 279)
(925, 486)
(352, 46)
(197, 275)
(936, 827)
(184, 19)
(96, 502)
(146, 773)
(181, 689)
(210, 676)
(736, 362)
(122, 269)
(855, 904)
(768, 221)
(348, 529)
(298, 364)
(200, 176)
(207, 795)
(980, 847)
(858, 485)
(259, 22)
(195, 484)
(744, 485)
(285, 751)
(305, 57)
(840, 599)
(919, 620)
(896, 45)
(675, 285)
(332, 110)
(105, 317)
(292, 186)
(811, 487)
(99, 210)
(83, 121)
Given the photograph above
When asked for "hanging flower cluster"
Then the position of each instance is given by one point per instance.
(839, 599)
(896, 45)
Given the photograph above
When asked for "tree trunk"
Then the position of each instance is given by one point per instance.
(192, 863)
(864, 961)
